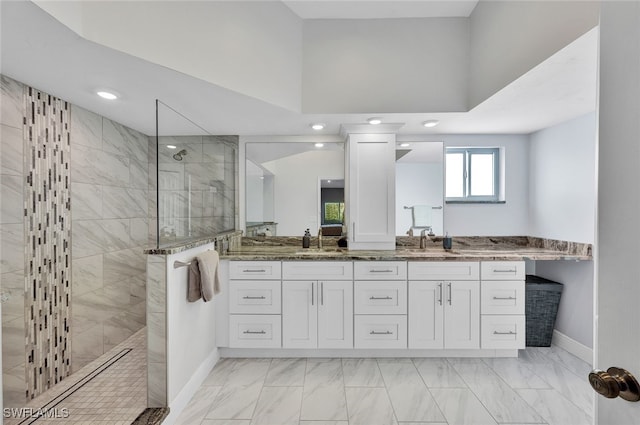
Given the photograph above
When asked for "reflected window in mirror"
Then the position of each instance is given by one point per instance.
(419, 187)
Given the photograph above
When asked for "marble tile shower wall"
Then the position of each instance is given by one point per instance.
(109, 201)
(198, 194)
(12, 239)
(110, 192)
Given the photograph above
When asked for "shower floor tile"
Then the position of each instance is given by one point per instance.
(116, 395)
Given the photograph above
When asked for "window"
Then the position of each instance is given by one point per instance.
(472, 174)
(333, 212)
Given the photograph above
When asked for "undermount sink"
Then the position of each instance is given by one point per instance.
(318, 251)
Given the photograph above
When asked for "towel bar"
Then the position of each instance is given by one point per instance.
(177, 264)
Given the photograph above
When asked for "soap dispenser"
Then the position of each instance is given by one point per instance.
(446, 241)
(306, 239)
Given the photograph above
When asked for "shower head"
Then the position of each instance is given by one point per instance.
(178, 156)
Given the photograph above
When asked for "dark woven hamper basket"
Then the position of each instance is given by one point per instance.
(542, 297)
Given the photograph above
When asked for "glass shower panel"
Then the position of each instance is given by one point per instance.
(196, 176)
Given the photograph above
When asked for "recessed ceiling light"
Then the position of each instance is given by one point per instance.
(405, 145)
(374, 121)
(328, 181)
(171, 146)
(107, 95)
(430, 123)
(318, 126)
(319, 145)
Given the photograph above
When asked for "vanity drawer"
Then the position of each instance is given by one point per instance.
(502, 270)
(502, 297)
(255, 331)
(380, 331)
(444, 270)
(380, 270)
(502, 332)
(317, 270)
(254, 297)
(380, 297)
(255, 270)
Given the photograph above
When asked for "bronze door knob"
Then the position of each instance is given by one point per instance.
(615, 382)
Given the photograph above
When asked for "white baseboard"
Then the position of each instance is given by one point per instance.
(572, 346)
(361, 353)
(184, 396)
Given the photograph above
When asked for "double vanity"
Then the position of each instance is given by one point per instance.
(286, 301)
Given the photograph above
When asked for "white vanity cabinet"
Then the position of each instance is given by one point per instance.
(317, 304)
(444, 305)
(380, 304)
(503, 304)
(370, 191)
(254, 304)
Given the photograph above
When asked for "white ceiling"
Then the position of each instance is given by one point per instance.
(39, 51)
(379, 9)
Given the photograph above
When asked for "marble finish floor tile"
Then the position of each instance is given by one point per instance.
(516, 374)
(462, 407)
(278, 406)
(198, 407)
(218, 376)
(394, 391)
(324, 402)
(286, 373)
(323, 423)
(438, 373)
(409, 396)
(247, 372)
(504, 404)
(555, 408)
(235, 402)
(369, 406)
(361, 373)
(560, 378)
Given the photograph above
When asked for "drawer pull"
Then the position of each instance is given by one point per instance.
(254, 332)
(254, 271)
(505, 271)
(380, 298)
(261, 297)
(380, 333)
(505, 333)
(504, 298)
(381, 271)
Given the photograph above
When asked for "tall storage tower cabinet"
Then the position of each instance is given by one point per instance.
(371, 191)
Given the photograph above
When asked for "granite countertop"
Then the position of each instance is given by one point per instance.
(467, 249)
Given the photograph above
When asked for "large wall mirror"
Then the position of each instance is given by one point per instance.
(419, 188)
(291, 187)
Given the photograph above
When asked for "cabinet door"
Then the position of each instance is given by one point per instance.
(426, 306)
(371, 191)
(299, 314)
(462, 314)
(335, 314)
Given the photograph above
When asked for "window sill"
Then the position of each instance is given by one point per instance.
(475, 202)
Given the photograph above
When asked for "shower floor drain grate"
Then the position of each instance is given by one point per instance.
(51, 405)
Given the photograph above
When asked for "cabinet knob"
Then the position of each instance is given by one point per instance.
(615, 382)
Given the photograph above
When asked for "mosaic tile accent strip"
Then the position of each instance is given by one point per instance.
(47, 215)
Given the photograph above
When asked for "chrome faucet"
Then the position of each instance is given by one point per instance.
(319, 237)
(423, 238)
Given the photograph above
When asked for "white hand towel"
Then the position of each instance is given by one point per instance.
(209, 282)
(421, 216)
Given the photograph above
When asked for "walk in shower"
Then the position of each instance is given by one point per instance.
(82, 198)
